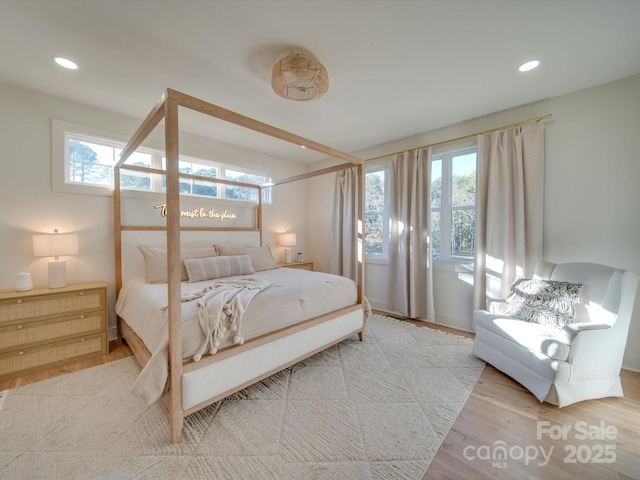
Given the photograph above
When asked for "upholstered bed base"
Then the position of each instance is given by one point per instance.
(272, 354)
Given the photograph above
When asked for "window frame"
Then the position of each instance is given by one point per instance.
(384, 258)
(446, 203)
(63, 131)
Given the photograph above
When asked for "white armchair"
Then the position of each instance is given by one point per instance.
(564, 365)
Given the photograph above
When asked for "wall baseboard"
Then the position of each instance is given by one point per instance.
(378, 304)
(112, 334)
(464, 324)
(631, 362)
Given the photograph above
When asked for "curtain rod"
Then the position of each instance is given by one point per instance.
(464, 137)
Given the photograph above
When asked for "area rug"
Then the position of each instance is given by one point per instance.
(377, 409)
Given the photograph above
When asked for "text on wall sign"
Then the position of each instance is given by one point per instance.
(200, 212)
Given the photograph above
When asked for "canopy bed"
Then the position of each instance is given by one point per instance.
(265, 319)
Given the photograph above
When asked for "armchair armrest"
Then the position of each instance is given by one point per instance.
(570, 331)
(595, 351)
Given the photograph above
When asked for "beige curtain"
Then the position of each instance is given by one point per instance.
(509, 203)
(344, 259)
(410, 274)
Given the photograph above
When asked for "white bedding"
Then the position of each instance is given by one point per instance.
(293, 296)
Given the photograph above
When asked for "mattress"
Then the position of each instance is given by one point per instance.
(292, 296)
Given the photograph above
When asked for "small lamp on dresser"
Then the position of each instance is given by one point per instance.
(288, 240)
(56, 245)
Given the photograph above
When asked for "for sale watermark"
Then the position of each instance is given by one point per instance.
(583, 443)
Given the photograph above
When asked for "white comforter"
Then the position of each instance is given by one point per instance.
(285, 297)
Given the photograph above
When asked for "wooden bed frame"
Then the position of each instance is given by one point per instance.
(167, 109)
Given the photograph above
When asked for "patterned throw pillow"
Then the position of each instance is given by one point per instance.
(548, 302)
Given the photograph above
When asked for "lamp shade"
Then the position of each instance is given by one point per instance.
(287, 239)
(299, 77)
(55, 245)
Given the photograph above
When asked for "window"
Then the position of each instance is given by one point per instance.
(191, 186)
(88, 166)
(453, 205)
(91, 163)
(376, 215)
(245, 193)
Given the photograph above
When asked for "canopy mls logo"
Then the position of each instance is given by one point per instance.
(499, 453)
(199, 212)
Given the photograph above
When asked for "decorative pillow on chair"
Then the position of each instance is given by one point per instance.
(261, 257)
(548, 302)
(200, 269)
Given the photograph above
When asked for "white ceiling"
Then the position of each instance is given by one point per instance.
(396, 67)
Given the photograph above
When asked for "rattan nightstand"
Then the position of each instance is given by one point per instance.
(300, 265)
(49, 327)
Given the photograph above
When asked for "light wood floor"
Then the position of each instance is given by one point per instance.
(602, 439)
(117, 350)
(500, 410)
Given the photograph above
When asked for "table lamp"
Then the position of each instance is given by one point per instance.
(287, 239)
(56, 245)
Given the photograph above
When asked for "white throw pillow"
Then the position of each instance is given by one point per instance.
(155, 261)
(200, 269)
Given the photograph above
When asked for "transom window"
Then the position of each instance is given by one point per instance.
(192, 186)
(89, 161)
(453, 205)
(92, 163)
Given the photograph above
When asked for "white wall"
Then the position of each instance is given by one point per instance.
(592, 193)
(30, 206)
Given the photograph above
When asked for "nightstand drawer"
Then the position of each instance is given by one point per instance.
(57, 304)
(28, 334)
(46, 356)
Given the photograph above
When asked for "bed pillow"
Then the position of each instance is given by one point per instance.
(155, 261)
(261, 257)
(547, 302)
(200, 269)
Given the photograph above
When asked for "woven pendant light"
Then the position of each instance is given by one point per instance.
(299, 77)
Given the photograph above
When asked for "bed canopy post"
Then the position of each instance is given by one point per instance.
(117, 229)
(174, 269)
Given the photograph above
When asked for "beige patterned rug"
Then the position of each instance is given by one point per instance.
(372, 410)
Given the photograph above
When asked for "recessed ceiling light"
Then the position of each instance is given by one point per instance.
(525, 67)
(66, 63)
